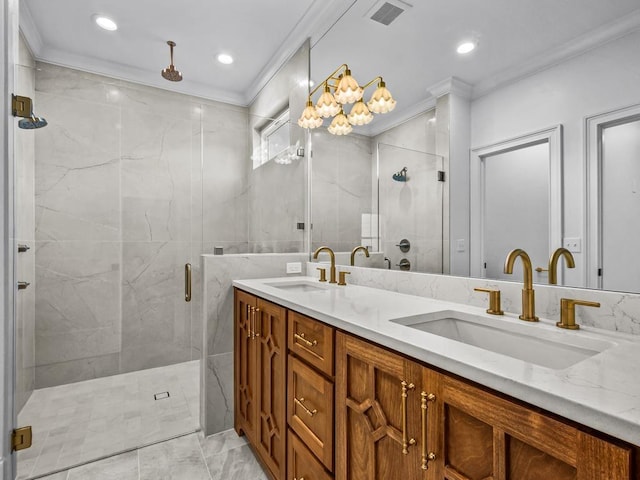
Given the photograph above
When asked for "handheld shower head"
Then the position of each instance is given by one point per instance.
(32, 123)
(170, 73)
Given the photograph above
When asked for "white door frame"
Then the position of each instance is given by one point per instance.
(552, 136)
(593, 157)
(8, 56)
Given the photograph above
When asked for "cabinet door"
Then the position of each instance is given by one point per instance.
(271, 425)
(486, 436)
(377, 413)
(245, 365)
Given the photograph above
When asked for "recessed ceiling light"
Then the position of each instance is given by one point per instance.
(466, 47)
(105, 23)
(225, 59)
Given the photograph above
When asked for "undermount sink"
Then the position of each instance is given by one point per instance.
(302, 286)
(555, 350)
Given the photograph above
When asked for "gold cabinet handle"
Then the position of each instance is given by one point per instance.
(248, 321)
(406, 442)
(256, 322)
(300, 402)
(187, 282)
(427, 456)
(303, 339)
(252, 323)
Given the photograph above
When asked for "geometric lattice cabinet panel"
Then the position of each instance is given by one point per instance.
(260, 383)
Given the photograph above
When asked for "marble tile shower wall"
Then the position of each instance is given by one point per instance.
(122, 174)
(25, 234)
(342, 189)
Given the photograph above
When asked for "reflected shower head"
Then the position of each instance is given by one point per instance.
(170, 73)
(401, 176)
(32, 123)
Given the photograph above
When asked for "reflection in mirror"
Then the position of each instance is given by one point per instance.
(410, 206)
(515, 203)
(614, 144)
(502, 90)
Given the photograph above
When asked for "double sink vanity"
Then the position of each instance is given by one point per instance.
(351, 382)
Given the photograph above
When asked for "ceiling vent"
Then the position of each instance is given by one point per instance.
(386, 12)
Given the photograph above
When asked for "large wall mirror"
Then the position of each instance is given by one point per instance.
(542, 135)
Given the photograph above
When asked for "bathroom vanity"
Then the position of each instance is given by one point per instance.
(355, 383)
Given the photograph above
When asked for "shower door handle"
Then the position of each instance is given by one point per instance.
(187, 282)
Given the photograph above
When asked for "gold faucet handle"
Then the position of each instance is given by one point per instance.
(494, 300)
(568, 312)
(342, 280)
(323, 274)
(540, 269)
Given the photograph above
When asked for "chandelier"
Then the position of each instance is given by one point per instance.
(341, 89)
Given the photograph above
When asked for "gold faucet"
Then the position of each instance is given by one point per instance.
(332, 275)
(355, 250)
(553, 263)
(528, 295)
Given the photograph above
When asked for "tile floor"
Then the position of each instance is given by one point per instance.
(224, 456)
(85, 421)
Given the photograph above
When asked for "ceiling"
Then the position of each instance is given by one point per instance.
(414, 53)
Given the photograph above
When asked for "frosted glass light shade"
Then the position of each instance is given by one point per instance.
(360, 114)
(381, 100)
(348, 90)
(340, 125)
(327, 105)
(309, 117)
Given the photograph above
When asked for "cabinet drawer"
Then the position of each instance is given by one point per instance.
(312, 341)
(302, 465)
(310, 409)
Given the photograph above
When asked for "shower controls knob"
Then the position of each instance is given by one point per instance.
(404, 245)
(404, 264)
(23, 285)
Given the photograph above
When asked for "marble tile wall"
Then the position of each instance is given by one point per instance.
(124, 176)
(619, 312)
(411, 210)
(25, 234)
(276, 195)
(218, 273)
(341, 190)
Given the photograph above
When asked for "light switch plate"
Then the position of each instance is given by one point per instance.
(573, 244)
(294, 267)
(460, 245)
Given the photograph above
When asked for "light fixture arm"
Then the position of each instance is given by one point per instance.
(368, 84)
(330, 77)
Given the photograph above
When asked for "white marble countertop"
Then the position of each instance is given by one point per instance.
(601, 392)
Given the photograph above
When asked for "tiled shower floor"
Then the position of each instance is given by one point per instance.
(80, 422)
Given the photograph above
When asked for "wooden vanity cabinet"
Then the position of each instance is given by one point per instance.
(486, 436)
(260, 378)
(380, 429)
(395, 419)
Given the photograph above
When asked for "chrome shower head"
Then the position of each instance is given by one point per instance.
(32, 123)
(170, 73)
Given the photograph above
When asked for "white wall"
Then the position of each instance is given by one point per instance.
(600, 80)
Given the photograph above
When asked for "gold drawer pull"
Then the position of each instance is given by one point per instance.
(300, 402)
(406, 442)
(427, 456)
(301, 478)
(302, 338)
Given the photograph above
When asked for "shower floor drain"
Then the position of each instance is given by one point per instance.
(161, 395)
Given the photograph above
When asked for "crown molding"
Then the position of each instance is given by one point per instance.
(142, 77)
(382, 124)
(579, 45)
(317, 20)
(30, 31)
(451, 85)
